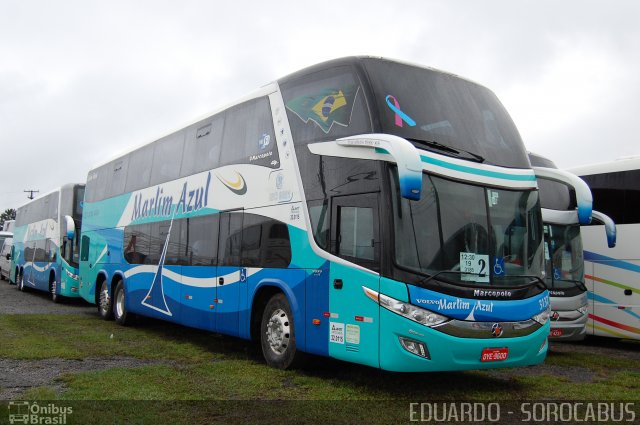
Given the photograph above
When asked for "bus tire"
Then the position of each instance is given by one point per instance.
(53, 290)
(105, 305)
(277, 334)
(21, 282)
(120, 313)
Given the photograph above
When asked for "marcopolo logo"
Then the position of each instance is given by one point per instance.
(24, 412)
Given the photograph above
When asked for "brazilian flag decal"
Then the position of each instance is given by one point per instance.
(326, 107)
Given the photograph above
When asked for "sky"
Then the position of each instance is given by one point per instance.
(83, 80)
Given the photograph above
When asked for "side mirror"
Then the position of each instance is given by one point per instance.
(609, 227)
(367, 146)
(583, 193)
(71, 227)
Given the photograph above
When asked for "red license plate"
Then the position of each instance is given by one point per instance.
(494, 354)
(556, 333)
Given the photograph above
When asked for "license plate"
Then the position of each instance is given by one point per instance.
(494, 354)
(556, 333)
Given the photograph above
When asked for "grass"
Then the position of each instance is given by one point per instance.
(224, 379)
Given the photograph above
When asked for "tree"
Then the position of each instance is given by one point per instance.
(8, 214)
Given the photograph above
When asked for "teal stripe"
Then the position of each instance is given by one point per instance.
(531, 177)
(485, 173)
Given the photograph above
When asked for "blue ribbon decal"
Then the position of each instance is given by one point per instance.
(400, 116)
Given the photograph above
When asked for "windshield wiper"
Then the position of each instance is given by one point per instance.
(444, 148)
(458, 272)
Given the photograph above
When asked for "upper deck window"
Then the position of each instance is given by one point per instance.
(326, 105)
(428, 106)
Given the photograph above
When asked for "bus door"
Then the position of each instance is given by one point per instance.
(355, 237)
(231, 275)
(199, 273)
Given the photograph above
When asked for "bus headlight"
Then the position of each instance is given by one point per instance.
(410, 311)
(543, 316)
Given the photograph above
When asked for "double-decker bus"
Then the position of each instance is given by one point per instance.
(566, 203)
(363, 209)
(46, 245)
(613, 275)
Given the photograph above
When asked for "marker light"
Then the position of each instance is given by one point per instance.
(410, 311)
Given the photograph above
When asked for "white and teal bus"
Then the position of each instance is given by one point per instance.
(363, 209)
(45, 249)
(613, 275)
(566, 203)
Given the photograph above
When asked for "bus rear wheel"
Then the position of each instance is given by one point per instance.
(53, 290)
(105, 306)
(21, 282)
(120, 307)
(277, 334)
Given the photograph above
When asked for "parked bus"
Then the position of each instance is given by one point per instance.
(566, 203)
(613, 275)
(5, 265)
(363, 209)
(46, 244)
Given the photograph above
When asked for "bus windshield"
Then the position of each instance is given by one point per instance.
(563, 250)
(467, 234)
(444, 113)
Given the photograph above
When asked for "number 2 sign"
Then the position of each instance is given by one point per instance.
(475, 267)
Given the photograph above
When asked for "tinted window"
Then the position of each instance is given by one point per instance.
(84, 256)
(617, 195)
(326, 105)
(203, 240)
(202, 146)
(139, 172)
(556, 196)
(167, 155)
(230, 242)
(248, 135)
(427, 105)
(117, 177)
(355, 238)
(137, 243)
(265, 242)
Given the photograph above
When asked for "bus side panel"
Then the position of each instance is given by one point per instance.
(354, 324)
(317, 306)
(613, 279)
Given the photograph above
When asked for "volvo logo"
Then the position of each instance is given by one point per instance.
(496, 330)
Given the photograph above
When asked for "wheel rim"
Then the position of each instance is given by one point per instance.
(53, 290)
(104, 299)
(278, 332)
(120, 303)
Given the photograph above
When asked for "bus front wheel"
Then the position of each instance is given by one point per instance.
(277, 334)
(21, 282)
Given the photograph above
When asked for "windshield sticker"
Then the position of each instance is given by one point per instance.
(498, 267)
(493, 197)
(327, 107)
(474, 267)
(394, 105)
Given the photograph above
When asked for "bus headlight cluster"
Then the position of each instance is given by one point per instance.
(410, 311)
(543, 316)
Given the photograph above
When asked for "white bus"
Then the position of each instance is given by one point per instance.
(613, 275)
